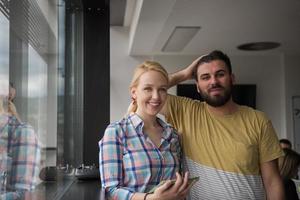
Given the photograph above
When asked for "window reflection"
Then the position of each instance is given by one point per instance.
(37, 93)
(28, 67)
(4, 54)
(41, 59)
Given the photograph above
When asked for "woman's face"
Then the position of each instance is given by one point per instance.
(150, 93)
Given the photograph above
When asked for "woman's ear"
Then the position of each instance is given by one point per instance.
(133, 93)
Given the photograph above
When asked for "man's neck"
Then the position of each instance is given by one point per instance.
(227, 109)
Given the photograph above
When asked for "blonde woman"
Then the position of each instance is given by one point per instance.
(141, 150)
(20, 153)
(288, 167)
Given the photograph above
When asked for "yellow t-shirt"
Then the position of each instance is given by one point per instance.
(225, 151)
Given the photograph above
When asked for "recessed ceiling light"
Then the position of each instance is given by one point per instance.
(258, 46)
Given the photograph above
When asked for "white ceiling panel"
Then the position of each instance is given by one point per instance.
(225, 24)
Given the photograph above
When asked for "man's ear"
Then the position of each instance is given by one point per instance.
(198, 90)
(232, 78)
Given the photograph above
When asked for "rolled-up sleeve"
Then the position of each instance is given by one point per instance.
(111, 164)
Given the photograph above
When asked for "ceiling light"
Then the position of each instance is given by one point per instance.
(180, 37)
(258, 46)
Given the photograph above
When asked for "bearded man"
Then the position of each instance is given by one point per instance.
(232, 148)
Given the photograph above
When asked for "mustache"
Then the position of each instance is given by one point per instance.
(215, 86)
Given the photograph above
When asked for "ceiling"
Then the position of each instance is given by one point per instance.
(216, 24)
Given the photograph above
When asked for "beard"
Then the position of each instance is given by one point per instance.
(218, 100)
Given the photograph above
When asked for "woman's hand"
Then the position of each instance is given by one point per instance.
(171, 190)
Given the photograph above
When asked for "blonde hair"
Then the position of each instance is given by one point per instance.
(8, 107)
(138, 72)
(288, 164)
(3, 104)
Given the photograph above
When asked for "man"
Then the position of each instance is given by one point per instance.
(233, 148)
(285, 144)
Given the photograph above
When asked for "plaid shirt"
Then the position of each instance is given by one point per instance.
(19, 143)
(129, 161)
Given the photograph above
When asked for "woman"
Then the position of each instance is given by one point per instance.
(19, 153)
(141, 150)
(288, 166)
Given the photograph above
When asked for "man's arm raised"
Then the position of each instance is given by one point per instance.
(184, 74)
(178, 77)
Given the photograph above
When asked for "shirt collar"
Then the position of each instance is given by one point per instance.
(137, 123)
(136, 120)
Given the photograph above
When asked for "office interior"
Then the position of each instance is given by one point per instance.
(71, 61)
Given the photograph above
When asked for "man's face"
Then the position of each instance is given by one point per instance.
(215, 83)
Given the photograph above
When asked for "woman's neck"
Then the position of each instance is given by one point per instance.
(149, 121)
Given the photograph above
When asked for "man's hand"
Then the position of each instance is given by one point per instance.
(184, 74)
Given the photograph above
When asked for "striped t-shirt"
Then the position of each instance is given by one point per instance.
(225, 151)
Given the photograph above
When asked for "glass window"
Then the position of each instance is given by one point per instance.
(37, 94)
(28, 93)
(41, 92)
(4, 55)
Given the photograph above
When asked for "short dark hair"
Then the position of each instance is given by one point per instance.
(285, 141)
(214, 55)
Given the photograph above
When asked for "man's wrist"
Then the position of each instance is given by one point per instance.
(187, 74)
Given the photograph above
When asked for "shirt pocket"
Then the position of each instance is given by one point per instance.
(246, 155)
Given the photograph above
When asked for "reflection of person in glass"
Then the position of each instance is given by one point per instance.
(20, 154)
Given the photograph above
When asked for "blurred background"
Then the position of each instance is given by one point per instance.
(70, 61)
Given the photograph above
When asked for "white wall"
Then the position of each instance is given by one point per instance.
(121, 71)
(267, 72)
(292, 86)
